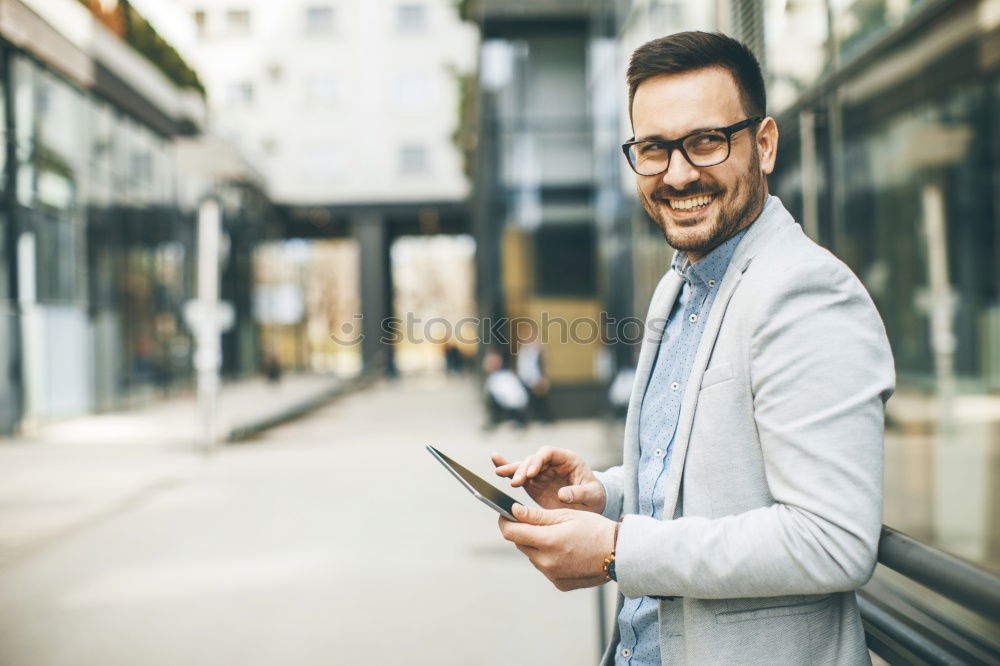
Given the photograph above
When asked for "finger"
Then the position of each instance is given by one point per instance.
(587, 494)
(520, 476)
(522, 534)
(532, 515)
(504, 524)
(498, 459)
(532, 465)
(540, 460)
(549, 458)
(506, 470)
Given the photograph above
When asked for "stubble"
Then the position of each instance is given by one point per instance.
(743, 206)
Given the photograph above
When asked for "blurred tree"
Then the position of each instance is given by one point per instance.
(122, 19)
(465, 135)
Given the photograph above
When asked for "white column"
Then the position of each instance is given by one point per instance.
(208, 348)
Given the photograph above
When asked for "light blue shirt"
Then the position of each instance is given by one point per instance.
(661, 404)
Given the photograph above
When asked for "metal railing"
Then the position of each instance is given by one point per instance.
(904, 630)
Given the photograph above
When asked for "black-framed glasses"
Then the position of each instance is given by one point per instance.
(703, 148)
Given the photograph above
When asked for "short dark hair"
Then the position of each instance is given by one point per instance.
(688, 51)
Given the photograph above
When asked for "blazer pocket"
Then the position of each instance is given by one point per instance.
(717, 374)
(773, 611)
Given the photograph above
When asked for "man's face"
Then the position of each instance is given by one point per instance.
(673, 105)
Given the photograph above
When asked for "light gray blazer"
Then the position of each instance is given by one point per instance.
(775, 480)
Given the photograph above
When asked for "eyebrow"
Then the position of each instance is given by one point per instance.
(660, 137)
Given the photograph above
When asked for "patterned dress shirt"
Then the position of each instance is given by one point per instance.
(661, 404)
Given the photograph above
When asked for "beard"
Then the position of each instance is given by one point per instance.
(737, 208)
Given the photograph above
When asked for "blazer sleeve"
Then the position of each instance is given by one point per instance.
(820, 373)
(613, 481)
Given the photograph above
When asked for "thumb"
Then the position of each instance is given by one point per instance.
(587, 493)
(534, 515)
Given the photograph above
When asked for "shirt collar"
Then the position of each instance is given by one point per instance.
(712, 267)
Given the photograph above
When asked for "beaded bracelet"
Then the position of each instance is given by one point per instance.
(609, 561)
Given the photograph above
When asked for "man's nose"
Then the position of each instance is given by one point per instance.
(679, 173)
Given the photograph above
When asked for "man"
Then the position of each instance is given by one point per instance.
(750, 497)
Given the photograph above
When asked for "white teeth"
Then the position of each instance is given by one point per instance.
(688, 204)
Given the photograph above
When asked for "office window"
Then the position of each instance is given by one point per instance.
(58, 262)
(411, 17)
(238, 22)
(240, 92)
(200, 23)
(321, 90)
(413, 159)
(413, 91)
(564, 260)
(319, 20)
(321, 160)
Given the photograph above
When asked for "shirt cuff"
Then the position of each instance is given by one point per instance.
(613, 498)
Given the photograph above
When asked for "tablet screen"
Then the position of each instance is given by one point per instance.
(503, 500)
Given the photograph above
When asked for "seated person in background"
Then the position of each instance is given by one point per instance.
(506, 397)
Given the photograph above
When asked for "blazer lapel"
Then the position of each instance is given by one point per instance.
(772, 218)
(656, 323)
(690, 401)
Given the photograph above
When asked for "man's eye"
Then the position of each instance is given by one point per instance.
(703, 140)
(650, 148)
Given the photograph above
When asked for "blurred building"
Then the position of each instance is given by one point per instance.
(564, 250)
(889, 157)
(97, 243)
(349, 109)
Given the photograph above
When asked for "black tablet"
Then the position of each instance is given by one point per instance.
(500, 502)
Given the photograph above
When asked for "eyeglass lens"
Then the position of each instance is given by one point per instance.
(704, 149)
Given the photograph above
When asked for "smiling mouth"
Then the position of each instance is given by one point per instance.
(690, 203)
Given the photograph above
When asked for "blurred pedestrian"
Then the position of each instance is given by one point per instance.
(272, 369)
(531, 372)
(454, 361)
(749, 505)
(506, 398)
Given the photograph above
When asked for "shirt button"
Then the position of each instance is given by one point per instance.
(658, 452)
(674, 386)
(711, 283)
(693, 318)
(626, 652)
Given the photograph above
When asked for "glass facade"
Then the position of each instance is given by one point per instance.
(540, 139)
(858, 23)
(104, 253)
(905, 173)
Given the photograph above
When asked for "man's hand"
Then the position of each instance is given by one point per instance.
(567, 546)
(556, 479)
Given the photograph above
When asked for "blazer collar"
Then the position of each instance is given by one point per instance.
(772, 217)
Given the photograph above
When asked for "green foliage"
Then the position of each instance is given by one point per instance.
(466, 133)
(141, 36)
(467, 9)
(144, 39)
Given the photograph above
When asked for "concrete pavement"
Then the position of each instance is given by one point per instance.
(69, 474)
(334, 539)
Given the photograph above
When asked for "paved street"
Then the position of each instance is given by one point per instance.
(335, 539)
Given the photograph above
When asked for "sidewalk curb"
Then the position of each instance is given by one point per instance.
(251, 429)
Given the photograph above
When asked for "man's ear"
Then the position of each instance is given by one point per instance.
(766, 143)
